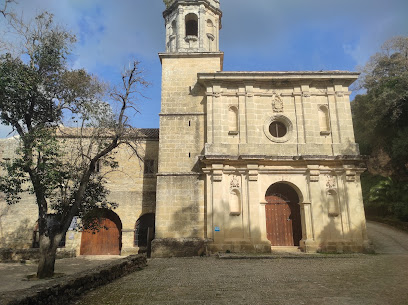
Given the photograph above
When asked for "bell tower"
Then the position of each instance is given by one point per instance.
(192, 26)
(192, 47)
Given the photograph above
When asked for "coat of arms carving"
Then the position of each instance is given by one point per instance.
(331, 182)
(277, 104)
(234, 183)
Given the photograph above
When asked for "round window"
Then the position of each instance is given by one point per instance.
(278, 129)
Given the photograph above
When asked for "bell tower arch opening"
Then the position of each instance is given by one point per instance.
(192, 26)
(283, 220)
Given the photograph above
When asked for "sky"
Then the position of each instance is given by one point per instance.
(257, 35)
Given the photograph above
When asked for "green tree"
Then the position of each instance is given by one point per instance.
(380, 119)
(381, 115)
(55, 163)
(390, 198)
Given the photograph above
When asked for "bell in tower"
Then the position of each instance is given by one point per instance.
(192, 26)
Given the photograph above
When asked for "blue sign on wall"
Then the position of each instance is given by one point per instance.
(217, 229)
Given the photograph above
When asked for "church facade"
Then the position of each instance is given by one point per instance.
(245, 161)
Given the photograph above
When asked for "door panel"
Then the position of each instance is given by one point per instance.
(282, 218)
(106, 241)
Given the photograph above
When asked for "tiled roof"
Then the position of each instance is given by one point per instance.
(72, 132)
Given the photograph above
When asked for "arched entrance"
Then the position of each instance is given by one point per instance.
(107, 240)
(144, 232)
(283, 225)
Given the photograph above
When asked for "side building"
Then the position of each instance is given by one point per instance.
(132, 186)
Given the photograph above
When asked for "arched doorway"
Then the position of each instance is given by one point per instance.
(283, 225)
(107, 240)
(144, 232)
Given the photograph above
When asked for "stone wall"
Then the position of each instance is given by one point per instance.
(130, 187)
(65, 289)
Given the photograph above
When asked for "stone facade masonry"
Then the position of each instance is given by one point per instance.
(130, 187)
(230, 144)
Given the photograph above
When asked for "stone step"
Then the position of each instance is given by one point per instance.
(285, 249)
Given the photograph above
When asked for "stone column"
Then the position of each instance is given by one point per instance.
(334, 123)
(217, 199)
(253, 203)
(250, 112)
(245, 205)
(217, 115)
(208, 205)
(301, 129)
(210, 115)
(309, 119)
(242, 119)
(202, 37)
(180, 29)
(311, 223)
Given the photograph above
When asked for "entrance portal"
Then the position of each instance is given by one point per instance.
(107, 240)
(283, 226)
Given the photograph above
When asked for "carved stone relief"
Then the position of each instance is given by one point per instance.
(331, 182)
(277, 104)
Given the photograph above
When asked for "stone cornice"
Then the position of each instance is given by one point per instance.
(206, 3)
(182, 114)
(192, 55)
(272, 94)
(346, 77)
(163, 174)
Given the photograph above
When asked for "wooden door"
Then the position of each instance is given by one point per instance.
(279, 222)
(106, 241)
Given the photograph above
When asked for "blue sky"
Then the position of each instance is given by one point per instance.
(257, 35)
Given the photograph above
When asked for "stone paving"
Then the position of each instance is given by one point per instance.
(326, 279)
(356, 279)
(13, 276)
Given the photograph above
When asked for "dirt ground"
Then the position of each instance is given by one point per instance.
(360, 279)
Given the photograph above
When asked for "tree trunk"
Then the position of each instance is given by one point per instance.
(48, 253)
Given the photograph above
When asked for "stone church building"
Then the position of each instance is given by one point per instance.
(245, 161)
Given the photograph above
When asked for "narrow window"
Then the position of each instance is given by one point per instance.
(191, 25)
(149, 167)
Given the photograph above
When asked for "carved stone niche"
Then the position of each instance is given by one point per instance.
(235, 196)
(333, 203)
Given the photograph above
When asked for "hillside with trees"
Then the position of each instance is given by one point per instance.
(380, 119)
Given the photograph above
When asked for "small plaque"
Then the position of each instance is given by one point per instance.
(217, 229)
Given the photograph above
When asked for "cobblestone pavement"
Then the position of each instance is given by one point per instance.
(361, 279)
(13, 276)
